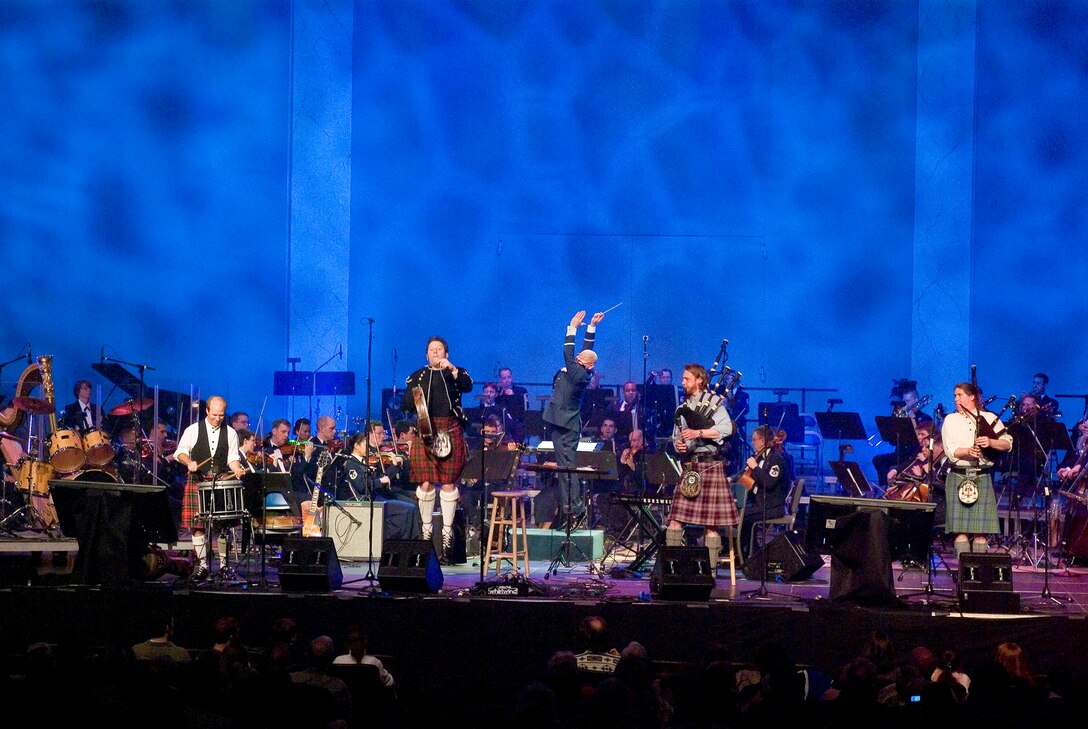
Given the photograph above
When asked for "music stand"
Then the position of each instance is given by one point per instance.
(256, 488)
(514, 405)
(896, 430)
(840, 426)
(851, 478)
(334, 385)
(1052, 437)
(498, 465)
(661, 471)
(771, 413)
(109, 519)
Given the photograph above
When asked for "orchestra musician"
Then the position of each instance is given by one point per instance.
(207, 449)
(701, 426)
(971, 435)
(907, 404)
(442, 383)
(493, 405)
(632, 462)
(275, 445)
(1071, 477)
(904, 479)
(770, 477)
(606, 436)
(1026, 460)
(1039, 382)
(82, 415)
(323, 440)
(563, 416)
(515, 400)
(627, 412)
(367, 474)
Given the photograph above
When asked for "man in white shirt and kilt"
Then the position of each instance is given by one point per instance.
(971, 436)
(703, 495)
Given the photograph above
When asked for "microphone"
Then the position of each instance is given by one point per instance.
(367, 319)
(645, 338)
(725, 342)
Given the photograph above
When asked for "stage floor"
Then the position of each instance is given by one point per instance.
(452, 642)
(608, 579)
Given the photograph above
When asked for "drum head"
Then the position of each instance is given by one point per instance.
(92, 475)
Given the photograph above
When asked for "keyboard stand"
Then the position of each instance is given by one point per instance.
(651, 530)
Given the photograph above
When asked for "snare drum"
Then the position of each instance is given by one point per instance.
(222, 501)
(97, 446)
(66, 451)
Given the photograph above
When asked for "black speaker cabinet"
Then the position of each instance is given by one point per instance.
(310, 564)
(682, 573)
(787, 559)
(409, 565)
(986, 584)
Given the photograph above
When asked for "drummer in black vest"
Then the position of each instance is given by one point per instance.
(441, 461)
(208, 449)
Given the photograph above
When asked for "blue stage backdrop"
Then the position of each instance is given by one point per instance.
(745, 170)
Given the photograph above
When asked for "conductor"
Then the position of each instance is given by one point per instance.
(562, 416)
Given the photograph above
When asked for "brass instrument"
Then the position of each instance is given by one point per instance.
(45, 366)
(31, 378)
(908, 410)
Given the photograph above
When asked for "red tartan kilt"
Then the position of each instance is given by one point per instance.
(190, 507)
(714, 506)
(425, 468)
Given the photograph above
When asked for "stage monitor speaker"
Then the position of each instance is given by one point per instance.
(310, 564)
(349, 530)
(409, 565)
(682, 573)
(787, 559)
(986, 584)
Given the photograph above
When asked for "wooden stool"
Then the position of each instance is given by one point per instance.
(507, 510)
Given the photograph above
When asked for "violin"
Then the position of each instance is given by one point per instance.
(334, 445)
(291, 447)
(259, 458)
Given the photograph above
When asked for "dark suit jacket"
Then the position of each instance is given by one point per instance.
(568, 386)
(73, 416)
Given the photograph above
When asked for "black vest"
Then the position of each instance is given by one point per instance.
(202, 449)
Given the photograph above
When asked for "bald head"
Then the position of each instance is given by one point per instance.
(587, 358)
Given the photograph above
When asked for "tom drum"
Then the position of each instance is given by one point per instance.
(66, 451)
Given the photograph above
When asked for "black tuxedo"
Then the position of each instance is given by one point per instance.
(563, 418)
(569, 384)
(73, 416)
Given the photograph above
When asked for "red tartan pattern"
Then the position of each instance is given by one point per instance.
(426, 468)
(714, 506)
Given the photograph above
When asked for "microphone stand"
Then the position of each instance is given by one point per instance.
(135, 414)
(760, 593)
(1046, 594)
(928, 590)
(370, 577)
